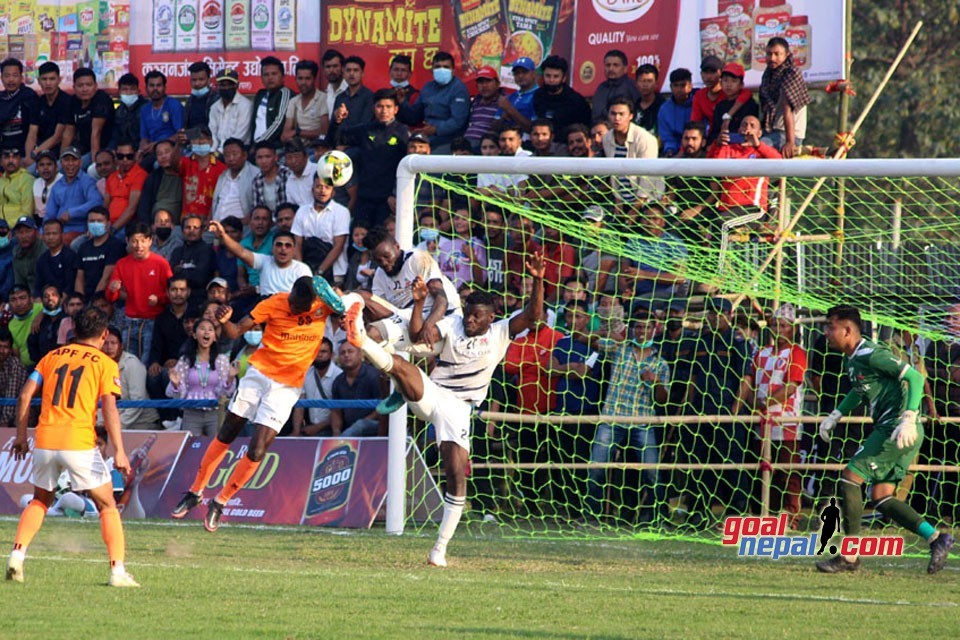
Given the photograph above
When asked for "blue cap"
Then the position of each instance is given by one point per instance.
(524, 63)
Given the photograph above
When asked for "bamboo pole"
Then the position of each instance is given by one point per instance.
(816, 187)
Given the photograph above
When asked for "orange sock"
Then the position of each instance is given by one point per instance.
(212, 458)
(112, 531)
(30, 521)
(240, 476)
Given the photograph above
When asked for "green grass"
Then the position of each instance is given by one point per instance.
(308, 583)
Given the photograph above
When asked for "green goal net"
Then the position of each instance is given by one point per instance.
(576, 437)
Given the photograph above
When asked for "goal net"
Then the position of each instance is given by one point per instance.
(724, 269)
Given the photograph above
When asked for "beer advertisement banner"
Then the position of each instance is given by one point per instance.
(678, 33)
(349, 483)
(152, 456)
(170, 35)
(274, 495)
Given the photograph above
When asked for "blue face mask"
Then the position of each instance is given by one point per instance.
(358, 247)
(53, 312)
(201, 149)
(442, 76)
(129, 100)
(97, 229)
(429, 235)
(4, 241)
(199, 93)
(643, 345)
(253, 338)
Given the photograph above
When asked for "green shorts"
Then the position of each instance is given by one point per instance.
(880, 461)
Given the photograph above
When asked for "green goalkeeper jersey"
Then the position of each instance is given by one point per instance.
(876, 375)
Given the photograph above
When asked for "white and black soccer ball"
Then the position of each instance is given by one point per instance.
(335, 168)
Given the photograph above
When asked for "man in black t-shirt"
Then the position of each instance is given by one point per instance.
(17, 105)
(98, 254)
(51, 117)
(91, 116)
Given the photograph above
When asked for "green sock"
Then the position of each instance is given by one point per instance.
(852, 507)
(904, 515)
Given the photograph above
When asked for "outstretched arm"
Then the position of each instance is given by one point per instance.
(534, 309)
(231, 245)
(233, 330)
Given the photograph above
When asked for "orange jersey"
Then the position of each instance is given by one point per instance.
(73, 379)
(290, 342)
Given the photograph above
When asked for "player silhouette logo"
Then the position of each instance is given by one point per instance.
(830, 516)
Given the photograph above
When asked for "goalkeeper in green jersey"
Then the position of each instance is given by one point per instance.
(894, 390)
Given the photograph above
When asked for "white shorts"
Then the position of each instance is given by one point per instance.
(449, 415)
(86, 469)
(395, 332)
(263, 401)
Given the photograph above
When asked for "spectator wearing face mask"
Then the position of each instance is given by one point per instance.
(443, 109)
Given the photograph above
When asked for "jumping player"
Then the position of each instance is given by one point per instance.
(469, 349)
(73, 379)
(293, 332)
(894, 390)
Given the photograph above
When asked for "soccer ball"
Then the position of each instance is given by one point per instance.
(335, 168)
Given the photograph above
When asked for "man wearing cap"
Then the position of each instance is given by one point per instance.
(483, 106)
(773, 389)
(307, 117)
(26, 252)
(126, 125)
(72, 198)
(557, 101)
(675, 112)
(443, 107)
(196, 111)
(705, 100)
(16, 186)
(418, 144)
(199, 173)
(720, 362)
(217, 289)
(300, 181)
(617, 85)
(382, 145)
(517, 108)
(52, 114)
(231, 114)
(195, 259)
(735, 103)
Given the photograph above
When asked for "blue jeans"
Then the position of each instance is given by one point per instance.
(138, 337)
(643, 440)
(363, 428)
(778, 138)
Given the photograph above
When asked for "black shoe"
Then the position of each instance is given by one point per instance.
(939, 550)
(187, 502)
(837, 564)
(212, 522)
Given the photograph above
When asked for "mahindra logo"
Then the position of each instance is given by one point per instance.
(622, 11)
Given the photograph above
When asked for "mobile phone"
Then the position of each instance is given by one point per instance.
(736, 138)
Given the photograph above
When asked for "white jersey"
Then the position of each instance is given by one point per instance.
(396, 289)
(465, 364)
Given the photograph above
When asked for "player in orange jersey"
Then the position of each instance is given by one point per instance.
(293, 333)
(73, 378)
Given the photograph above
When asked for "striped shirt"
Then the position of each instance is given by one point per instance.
(625, 399)
(772, 370)
(465, 363)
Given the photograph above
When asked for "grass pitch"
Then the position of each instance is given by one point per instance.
(307, 583)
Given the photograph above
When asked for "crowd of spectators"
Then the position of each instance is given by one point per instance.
(157, 211)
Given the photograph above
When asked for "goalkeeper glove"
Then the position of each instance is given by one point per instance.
(906, 432)
(828, 424)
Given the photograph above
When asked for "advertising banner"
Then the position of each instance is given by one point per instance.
(349, 483)
(679, 33)
(152, 457)
(170, 35)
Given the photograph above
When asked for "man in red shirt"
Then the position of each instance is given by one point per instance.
(200, 172)
(141, 278)
(743, 195)
(559, 263)
(124, 186)
(705, 100)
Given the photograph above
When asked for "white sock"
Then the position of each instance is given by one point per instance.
(118, 568)
(71, 500)
(377, 356)
(452, 510)
(18, 554)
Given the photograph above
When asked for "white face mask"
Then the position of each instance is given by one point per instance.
(129, 100)
(399, 85)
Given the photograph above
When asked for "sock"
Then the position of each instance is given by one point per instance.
(212, 458)
(30, 521)
(904, 515)
(452, 510)
(377, 356)
(852, 509)
(240, 476)
(112, 531)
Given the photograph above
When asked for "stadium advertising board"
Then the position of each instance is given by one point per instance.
(170, 35)
(349, 483)
(679, 33)
(152, 457)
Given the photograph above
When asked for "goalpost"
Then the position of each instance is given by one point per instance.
(899, 263)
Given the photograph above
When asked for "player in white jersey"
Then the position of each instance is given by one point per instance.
(469, 350)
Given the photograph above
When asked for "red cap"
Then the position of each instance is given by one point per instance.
(487, 72)
(733, 69)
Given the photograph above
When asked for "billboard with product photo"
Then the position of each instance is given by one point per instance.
(679, 33)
